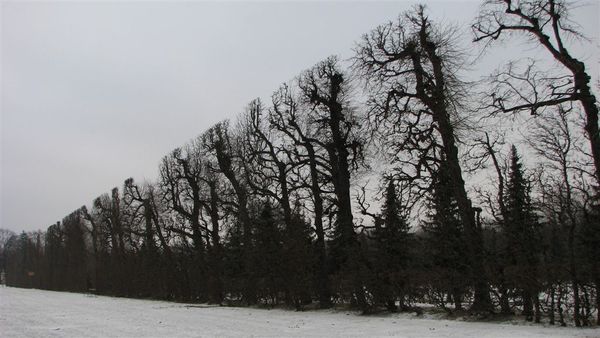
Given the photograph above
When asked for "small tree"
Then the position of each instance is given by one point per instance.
(444, 241)
(268, 254)
(392, 254)
(520, 231)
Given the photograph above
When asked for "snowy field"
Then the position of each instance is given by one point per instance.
(36, 313)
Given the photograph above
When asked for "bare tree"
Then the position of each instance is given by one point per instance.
(180, 178)
(410, 68)
(219, 142)
(545, 23)
(111, 238)
(553, 140)
(291, 121)
(273, 173)
(272, 161)
(325, 89)
(487, 147)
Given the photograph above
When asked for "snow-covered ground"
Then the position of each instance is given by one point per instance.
(37, 313)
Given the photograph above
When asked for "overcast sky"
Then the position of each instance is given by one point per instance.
(94, 93)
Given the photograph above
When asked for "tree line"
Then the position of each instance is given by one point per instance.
(274, 207)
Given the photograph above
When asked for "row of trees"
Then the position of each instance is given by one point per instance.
(274, 207)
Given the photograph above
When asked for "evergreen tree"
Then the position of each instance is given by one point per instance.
(520, 233)
(444, 241)
(391, 256)
(233, 260)
(75, 253)
(298, 259)
(589, 248)
(268, 254)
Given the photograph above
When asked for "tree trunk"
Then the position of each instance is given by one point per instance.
(551, 311)
(216, 252)
(574, 280)
(224, 161)
(538, 311)
(340, 172)
(527, 305)
(437, 104)
(323, 272)
(588, 101)
(597, 284)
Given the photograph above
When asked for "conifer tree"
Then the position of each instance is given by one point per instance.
(520, 233)
(391, 259)
(590, 247)
(233, 261)
(445, 235)
(268, 254)
(299, 259)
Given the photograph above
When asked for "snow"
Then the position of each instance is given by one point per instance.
(37, 313)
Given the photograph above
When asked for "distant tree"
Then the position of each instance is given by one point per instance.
(5, 235)
(181, 182)
(20, 254)
(224, 146)
(180, 178)
(55, 257)
(107, 211)
(137, 204)
(262, 210)
(75, 253)
(269, 163)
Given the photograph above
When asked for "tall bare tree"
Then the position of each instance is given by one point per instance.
(218, 141)
(326, 89)
(288, 117)
(410, 67)
(545, 23)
